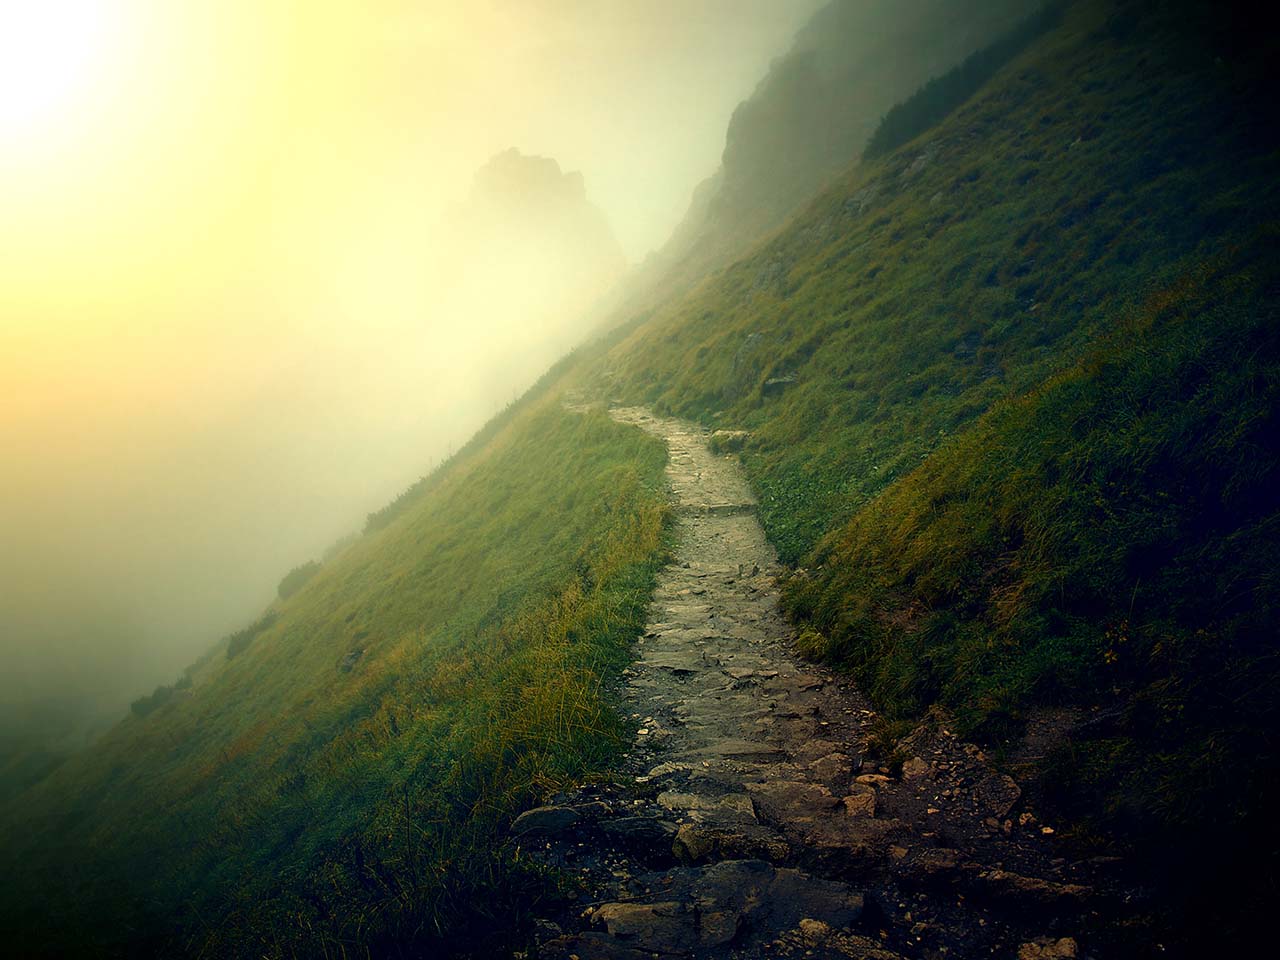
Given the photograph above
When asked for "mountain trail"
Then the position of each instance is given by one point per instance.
(751, 825)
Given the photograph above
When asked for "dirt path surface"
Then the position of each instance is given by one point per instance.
(752, 827)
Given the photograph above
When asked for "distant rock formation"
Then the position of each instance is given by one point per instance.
(528, 228)
(524, 258)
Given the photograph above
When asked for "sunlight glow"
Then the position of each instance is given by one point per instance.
(49, 52)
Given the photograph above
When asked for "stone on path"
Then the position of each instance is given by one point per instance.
(544, 820)
(1048, 949)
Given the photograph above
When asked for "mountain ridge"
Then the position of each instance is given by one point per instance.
(810, 115)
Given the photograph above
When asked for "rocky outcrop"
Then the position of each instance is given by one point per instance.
(810, 117)
(523, 260)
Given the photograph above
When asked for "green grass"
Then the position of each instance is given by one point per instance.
(301, 801)
(930, 105)
(1088, 173)
(1109, 536)
(1111, 539)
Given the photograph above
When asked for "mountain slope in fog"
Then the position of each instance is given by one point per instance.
(1010, 392)
(423, 684)
(224, 486)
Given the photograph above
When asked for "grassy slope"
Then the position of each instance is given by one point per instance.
(1029, 445)
(958, 270)
(288, 799)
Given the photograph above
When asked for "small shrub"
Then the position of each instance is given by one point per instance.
(239, 641)
(296, 578)
(148, 704)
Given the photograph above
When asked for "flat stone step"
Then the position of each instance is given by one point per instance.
(715, 509)
(737, 749)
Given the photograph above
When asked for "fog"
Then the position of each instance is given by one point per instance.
(247, 274)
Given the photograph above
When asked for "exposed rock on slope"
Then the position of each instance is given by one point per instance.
(809, 118)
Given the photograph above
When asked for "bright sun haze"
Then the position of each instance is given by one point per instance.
(222, 340)
(50, 53)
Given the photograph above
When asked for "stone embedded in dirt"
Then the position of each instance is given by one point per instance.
(718, 927)
(1047, 948)
(712, 906)
(661, 927)
(917, 768)
(734, 806)
(544, 821)
(817, 748)
(778, 897)
(590, 946)
(806, 941)
(929, 865)
(832, 769)
(814, 931)
(998, 793)
(860, 804)
(694, 842)
(1030, 891)
(873, 779)
(749, 676)
(678, 664)
(700, 842)
(667, 769)
(646, 836)
(793, 801)
(544, 930)
(592, 810)
(736, 749)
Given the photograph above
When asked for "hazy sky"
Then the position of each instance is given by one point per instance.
(219, 345)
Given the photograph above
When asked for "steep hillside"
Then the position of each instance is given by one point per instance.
(1011, 394)
(335, 775)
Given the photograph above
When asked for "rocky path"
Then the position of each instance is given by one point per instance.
(751, 826)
